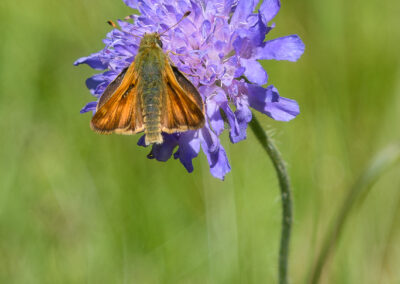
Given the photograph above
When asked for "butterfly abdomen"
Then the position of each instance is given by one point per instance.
(152, 113)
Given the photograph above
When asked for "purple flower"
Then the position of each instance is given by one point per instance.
(220, 44)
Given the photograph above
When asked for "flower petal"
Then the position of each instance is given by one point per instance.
(243, 10)
(235, 131)
(205, 28)
(243, 46)
(215, 98)
(97, 83)
(216, 155)
(223, 6)
(89, 107)
(270, 103)
(283, 48)
(255, 31)
(243, 115)
(132, 3)
(254, 71)
(189, 148)
(214, 115)
(269, 9)
(95, 60)
(162, 152)
(141, 141)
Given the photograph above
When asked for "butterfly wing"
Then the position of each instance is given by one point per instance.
(187, 86)
(111, 88)
(118, 110)
(183, 107)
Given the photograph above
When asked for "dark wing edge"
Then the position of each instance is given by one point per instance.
(187, 86)
(111, 88)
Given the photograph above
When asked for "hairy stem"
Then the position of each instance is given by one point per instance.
(286, 196)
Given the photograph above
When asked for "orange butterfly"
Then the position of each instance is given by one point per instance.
(150, 95)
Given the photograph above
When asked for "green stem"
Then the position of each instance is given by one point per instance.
(286, 196)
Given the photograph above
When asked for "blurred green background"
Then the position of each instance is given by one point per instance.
(76, 207)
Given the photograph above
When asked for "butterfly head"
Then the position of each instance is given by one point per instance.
(151, 40)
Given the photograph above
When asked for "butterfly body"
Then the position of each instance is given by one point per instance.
(151, 95)
(151, 63)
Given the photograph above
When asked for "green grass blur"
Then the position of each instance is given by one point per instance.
(76, 207)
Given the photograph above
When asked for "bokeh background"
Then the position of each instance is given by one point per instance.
(76, 207)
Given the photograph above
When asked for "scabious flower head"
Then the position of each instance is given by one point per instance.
(218, 45)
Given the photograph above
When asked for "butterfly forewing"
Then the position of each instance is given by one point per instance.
(119, 108)
(183, 106)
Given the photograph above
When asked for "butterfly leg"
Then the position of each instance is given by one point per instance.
(174, 53)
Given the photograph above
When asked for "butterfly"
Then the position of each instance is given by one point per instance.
(150, 96)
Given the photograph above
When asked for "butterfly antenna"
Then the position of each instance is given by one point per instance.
(114, 25)
(183, 17)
